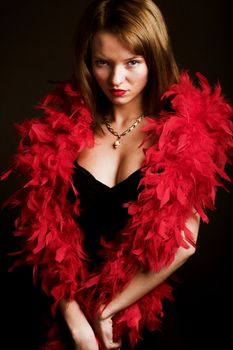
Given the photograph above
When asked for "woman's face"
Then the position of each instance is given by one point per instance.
(121, 74)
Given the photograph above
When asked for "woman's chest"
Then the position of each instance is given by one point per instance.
(111, 165)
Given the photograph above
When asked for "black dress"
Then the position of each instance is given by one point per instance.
(102, 214)
(101, 208)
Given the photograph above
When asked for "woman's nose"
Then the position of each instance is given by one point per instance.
(117, 75)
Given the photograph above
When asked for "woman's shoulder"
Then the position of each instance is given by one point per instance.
(197, 118)
(61, 109)
(193, 101)
(63, 97)
(194, 94)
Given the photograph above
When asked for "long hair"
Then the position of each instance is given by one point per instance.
(140, 25)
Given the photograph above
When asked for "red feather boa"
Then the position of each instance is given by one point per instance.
(182, 170)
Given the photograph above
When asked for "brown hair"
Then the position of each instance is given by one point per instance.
(141, 26)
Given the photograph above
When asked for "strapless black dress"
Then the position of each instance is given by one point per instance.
(102, 213)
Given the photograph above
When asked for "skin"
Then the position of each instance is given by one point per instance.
(115, 65)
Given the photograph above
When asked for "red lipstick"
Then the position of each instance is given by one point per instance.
(118, 92)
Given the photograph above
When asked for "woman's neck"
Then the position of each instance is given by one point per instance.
(124, 115)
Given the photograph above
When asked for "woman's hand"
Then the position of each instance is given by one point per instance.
(104, 328)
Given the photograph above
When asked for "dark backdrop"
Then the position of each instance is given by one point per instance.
(36, 46)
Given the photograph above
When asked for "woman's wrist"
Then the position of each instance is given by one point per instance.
(109, 310)
(74, 317)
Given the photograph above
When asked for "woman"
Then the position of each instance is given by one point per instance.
(119, 177)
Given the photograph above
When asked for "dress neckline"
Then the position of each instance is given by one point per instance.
(134, 173)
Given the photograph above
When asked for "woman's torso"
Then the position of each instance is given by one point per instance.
(102, 211)
(106, 179)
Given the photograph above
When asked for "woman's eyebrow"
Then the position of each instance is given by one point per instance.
(109, 59)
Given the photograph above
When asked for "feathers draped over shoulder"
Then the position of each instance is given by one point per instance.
(182, 170)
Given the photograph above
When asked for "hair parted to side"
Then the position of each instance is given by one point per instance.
(140, 25)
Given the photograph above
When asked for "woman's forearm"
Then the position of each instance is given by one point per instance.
(144, 282)
(81, 331)
(74, 317)
(141, 284)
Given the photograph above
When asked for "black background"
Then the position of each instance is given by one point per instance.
(36, 46)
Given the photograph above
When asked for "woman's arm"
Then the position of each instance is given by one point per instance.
(81, 332)
(144, 282)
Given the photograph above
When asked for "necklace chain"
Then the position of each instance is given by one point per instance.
(119, 136)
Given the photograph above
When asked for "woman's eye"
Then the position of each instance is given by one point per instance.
(133, 63)
(101, 63)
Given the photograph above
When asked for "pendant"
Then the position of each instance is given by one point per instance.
(117, 143)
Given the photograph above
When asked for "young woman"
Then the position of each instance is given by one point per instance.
(122, 166)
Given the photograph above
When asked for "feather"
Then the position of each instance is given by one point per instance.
(182, 170)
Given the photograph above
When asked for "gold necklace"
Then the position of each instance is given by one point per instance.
(119, 136)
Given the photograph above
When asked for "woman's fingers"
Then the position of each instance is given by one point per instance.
(113, 345)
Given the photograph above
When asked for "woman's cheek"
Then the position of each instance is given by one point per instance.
(101, 77)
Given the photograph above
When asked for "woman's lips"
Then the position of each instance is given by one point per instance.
(118, 92)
